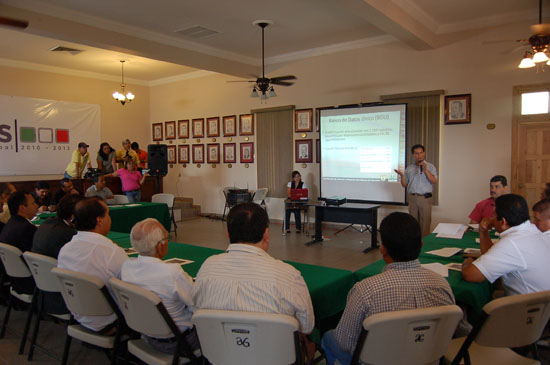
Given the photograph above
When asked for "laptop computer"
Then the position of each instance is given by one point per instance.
(298, 194)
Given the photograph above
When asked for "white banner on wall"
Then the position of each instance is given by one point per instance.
(38, 136)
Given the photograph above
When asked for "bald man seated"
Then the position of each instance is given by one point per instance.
(168, 281)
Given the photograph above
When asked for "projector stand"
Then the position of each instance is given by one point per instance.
(360, 230)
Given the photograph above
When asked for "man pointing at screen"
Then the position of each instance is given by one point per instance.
(419, 178)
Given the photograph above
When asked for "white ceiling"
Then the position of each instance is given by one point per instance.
(143, 31)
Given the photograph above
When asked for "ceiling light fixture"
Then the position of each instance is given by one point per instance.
(527, 61)
(124, 97)
(540, 45)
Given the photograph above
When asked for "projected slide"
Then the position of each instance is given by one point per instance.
(360, 149)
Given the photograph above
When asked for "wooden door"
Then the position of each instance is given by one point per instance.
(533, 160)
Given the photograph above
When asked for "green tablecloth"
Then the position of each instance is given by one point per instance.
(473, 295)
(124, 217)
(328, 287)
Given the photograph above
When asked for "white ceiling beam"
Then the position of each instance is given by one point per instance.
(73, 31)
(392, 19)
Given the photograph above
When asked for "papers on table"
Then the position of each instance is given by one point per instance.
(115, 206)
(472, 250)
(474, 226)
(437, 268)
(179, 261)
(450, 230)
(454, 266)
(445, 252)
(494, 240)
(132, 205)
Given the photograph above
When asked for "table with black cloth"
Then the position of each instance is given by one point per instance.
(473, 295)
(328, 287)
(124, 217)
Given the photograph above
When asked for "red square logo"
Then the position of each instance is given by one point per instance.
(62, 135)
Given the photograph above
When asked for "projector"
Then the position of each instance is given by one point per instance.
(335, 200)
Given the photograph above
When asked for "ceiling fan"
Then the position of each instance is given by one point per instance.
(263, 84)
(539, 42)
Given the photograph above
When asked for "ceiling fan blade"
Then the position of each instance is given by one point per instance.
(506, 41)
(287, 77)
(512, 50)
(282, 83)
(241, 81)
(10, 22)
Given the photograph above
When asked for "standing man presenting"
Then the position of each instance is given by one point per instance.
(419, 178)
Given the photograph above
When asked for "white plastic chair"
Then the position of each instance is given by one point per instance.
(167, 199)
(416, 336)
(87, 295)
(259, 197)
(121, 199)
(16, 268)
(145, 313)
(512, 321)
(235, 337)
(40, 267)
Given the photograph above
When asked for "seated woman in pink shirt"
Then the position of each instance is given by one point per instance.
(131, 180)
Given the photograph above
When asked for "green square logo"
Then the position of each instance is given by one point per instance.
(27, 134)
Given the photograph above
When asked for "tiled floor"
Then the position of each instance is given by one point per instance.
(343, 251)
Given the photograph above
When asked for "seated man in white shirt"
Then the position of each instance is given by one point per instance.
(247, 278)
(99, 188)
(541, 216)
(90, 252)
(168, 281)
(521, 255)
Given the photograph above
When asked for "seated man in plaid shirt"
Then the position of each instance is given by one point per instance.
(403, 284)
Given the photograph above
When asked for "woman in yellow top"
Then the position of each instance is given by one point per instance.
(80, 159)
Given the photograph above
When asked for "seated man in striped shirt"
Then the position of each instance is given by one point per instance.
(246, 278)
(403, 284)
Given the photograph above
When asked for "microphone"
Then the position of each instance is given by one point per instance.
(421, 169)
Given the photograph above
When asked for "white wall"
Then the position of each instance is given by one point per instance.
(117, 122)
(470, 154)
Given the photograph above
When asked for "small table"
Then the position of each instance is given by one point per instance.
(303, 207)
(353, 213)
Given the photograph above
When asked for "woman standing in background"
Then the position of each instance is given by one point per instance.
(106, 158)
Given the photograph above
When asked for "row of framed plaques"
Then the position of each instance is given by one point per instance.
(196, 153)
(184, 129)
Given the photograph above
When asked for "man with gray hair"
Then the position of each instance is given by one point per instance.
(125, 154)
(168, 281)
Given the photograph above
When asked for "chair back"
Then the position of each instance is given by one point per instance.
(416, 336)
(260, 195)
(141, 309)
(13, 262)
(121, 199)
(235, 337)
(168, 199)
(514, 321)
(41, 269)
(84, 294)
(226, 191)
